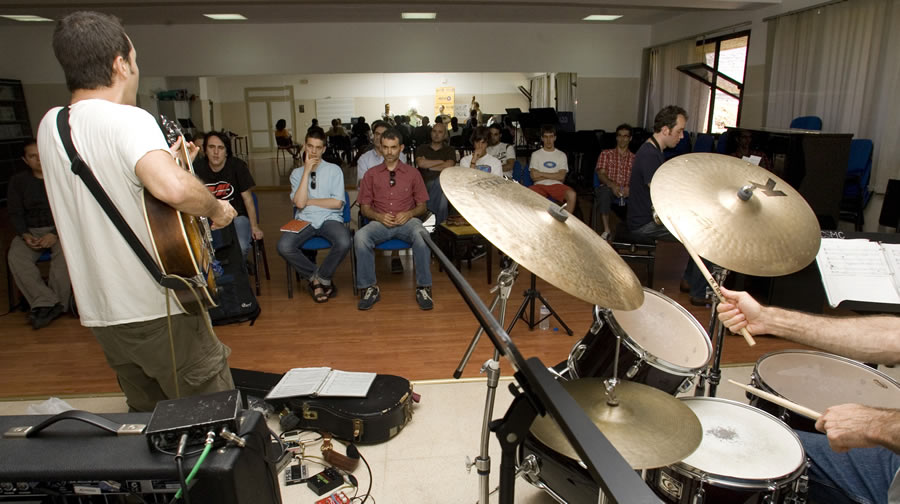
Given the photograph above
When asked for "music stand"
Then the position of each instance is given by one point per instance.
(541, 394)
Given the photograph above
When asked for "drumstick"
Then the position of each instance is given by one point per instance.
(796, 408)
(709, 279)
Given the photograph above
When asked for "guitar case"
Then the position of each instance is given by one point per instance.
(234, 293)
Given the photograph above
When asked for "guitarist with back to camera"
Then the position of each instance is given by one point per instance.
(118, 297)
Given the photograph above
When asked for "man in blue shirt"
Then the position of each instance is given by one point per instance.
(317, 191)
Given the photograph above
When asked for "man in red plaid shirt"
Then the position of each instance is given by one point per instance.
(614, 172)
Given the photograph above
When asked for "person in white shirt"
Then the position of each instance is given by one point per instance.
(118, 298)
(502, 151)
(373, 157)
(548, 169)
(480, 159)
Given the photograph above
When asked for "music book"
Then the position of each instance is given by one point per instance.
(294, 226)
(322, 382)
(859, 270)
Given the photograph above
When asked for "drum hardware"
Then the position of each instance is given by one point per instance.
(530, 469)
(580, 347)
(714, 373)
(532, 294)
(491, 368)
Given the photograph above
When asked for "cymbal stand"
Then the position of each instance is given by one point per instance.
(491, 368)
(714, 374)
(530, 296)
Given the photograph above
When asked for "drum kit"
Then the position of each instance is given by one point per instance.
(693, 449)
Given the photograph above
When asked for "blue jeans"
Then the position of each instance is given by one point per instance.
(243, 230)
(692, 273)
(437, 202)
(861, 475)
(335, 232)
(374, 233)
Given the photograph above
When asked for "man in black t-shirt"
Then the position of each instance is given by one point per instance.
(431, 158)
(228, 178)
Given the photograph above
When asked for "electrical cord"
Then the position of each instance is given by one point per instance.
(368, 468)
(179, 462)
(210, 436)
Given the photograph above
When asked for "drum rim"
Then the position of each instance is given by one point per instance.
(832, 356)
(653, 360)
(721, 480)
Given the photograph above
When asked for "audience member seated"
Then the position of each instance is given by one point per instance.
(283, 139)
(393, 196)
(432, 158)
(361, 131)
(548, 168)
(475, 112)
(614, 172)
(374, 156)
(315, 124)
(480, 158)
(229, 179)
(744, 149)
(502, 151)
(317, 191)
(336, 129)
(641, 220)
(455, 129)
(32, 220)
(422, 134)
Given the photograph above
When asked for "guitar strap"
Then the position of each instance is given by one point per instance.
(80, 168)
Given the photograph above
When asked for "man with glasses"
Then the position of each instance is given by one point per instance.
(392, 195)
(317, 191)
(614, 172)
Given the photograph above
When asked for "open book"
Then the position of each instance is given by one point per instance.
(322, 382)
(294, 226)
(859, 270)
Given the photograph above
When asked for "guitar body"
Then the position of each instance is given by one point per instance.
(182, 248)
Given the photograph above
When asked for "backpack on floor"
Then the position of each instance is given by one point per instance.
(235, 297)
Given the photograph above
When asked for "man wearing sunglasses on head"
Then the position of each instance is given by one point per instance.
(317, 191)
(392, 195)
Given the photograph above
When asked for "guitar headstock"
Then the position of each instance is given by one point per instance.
(170, 129)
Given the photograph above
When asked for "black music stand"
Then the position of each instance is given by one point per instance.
(541, 394)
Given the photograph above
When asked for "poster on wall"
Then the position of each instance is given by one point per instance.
(443, 100)
(461, 111)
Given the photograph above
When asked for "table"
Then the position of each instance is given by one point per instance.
(459, 239)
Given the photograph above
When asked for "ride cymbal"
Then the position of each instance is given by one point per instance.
(569, 255)
(649, 428)
(773, 233)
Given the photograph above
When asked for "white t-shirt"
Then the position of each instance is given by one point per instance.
(369, 160)
(111, 284)
(503, 152)
(486, 163)
(549, 162)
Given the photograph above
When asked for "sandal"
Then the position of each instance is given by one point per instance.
(317, 292)
(330, 290)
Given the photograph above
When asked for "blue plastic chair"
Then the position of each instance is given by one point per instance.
(316, 243)
(522, 175)
(807, 122)
(722, 144)
(704, 143)
(856, 184)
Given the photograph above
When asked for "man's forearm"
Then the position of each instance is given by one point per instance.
(873, 339)
(418, 209)
(330, 203)
(601, 175)
(886, 429)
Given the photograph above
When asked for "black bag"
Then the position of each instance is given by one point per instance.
(235, 297)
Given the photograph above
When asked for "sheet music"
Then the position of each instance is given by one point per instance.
(752, 159)
(859, 270)
(344, 384)
(299, 382)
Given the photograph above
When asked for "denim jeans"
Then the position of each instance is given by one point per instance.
(861, 475)
(243, 230)
(335, 232)
(374, 233)
(692, 273)
(437, 202)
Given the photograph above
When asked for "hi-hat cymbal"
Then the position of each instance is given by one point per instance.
(772, 233)
(569, 254)
(649, 428)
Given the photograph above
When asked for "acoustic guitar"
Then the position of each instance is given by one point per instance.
(182, 243)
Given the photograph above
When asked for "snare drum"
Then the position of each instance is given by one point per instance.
(818, 381)
(663, 345)
(746, 456)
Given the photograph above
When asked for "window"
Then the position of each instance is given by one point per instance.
(723, 70)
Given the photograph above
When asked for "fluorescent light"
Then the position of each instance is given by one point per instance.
(601, 17)
(226, 17)
(418, 15)
(24, 17)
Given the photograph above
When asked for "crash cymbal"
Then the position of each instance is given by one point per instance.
(773, 233)
(649, 427)
(569, 254)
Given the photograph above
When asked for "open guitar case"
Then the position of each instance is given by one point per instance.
(235, 297)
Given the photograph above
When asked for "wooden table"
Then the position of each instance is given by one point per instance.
(457, 240)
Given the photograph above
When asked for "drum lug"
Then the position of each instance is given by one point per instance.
(686, 385)
(700, 496)
(529, 469)
(770, 498)
(633, 370)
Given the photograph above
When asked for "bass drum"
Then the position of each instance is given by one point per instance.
(818, 381)
(663, 345)
(563, 479)
(746, 456)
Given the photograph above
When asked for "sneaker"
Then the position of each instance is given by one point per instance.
(45, 315)
(605, 235)
(423, 298)
(371, 296)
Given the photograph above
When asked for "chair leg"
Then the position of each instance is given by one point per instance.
(255, 272)
(353, 268)
(290, 281)
(265, 260)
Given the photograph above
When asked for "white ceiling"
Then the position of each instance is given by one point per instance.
(164, 12)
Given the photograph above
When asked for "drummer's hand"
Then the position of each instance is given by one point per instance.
(740, 310)
(852, 426)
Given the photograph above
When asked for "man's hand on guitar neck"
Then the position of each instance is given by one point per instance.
(224, 216)
(192, 150)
